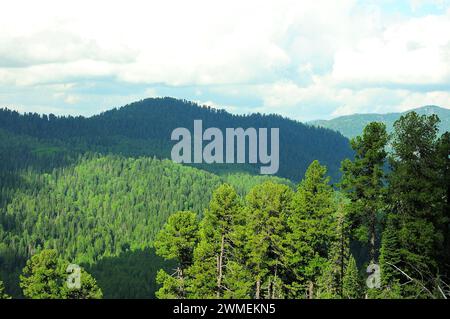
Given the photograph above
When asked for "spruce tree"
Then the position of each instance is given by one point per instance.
(352, 281)
(364, 183)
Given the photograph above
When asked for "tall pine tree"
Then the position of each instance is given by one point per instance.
(213, 255)
(417, 198)
(364, 182)
(311, 230)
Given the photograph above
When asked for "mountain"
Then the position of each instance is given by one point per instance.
(144, 129)
(99, 188)
(353, 125)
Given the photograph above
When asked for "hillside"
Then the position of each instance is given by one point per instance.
(103, 210)
(144, 128)
(352, 125)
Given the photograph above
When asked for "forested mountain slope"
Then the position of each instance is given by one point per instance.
(144, 128)
(102, 207)
(353, 125)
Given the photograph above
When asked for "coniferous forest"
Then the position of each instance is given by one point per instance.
(365, 218)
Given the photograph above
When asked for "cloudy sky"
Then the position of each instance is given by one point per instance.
(302, 59)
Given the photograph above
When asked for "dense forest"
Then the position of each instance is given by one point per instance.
(101, 207)
(280, 243)
(144, 227)
(144, 129)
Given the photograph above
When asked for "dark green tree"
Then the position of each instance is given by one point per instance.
(330, 282)
(364, 182)
(417, 197)
(352, 288)
(267, 212)
(311, 230)
(214, 253)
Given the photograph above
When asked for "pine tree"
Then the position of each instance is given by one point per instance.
(330, 282)
(352, 281)
(215, 249)
(266, 215)
(390, 252)
(88, 289)
(364, 182)
(444, 167)
(45, 277)
(177, 241)
(42, 276)
(417, 197)
(312, 229)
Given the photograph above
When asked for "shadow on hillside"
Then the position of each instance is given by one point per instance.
(131, 275)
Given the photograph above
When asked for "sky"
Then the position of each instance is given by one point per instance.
(302, 59)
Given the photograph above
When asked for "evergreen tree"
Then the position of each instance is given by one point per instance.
(177, 241)
(417, 197)
(42, 276)
(330, 282)
(364, 182)
(267, 211)
(214, 252)
(311, 230)
(88, 289)
(45, 277)
(444, 167)
(390, 252)
(352, 281)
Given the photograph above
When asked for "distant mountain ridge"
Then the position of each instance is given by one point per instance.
(353, 125)
(144, 128)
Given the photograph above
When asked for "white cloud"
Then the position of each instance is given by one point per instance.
(408, 53)
(303, 59)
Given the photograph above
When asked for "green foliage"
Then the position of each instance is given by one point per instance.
(252, 237)
(416, 196)
(178, 238)
(364, 182)
(330, 282)
(144, 128)
(312, 227)
(352, 282)
(3, 294)
(267, 211)
(177, 241)
(216, 242)
(45, 277)
(130, 275)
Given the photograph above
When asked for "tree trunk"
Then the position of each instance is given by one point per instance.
(181, 279)
(311, 290)
(372, 238)
(219, 266)
(258, 288)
